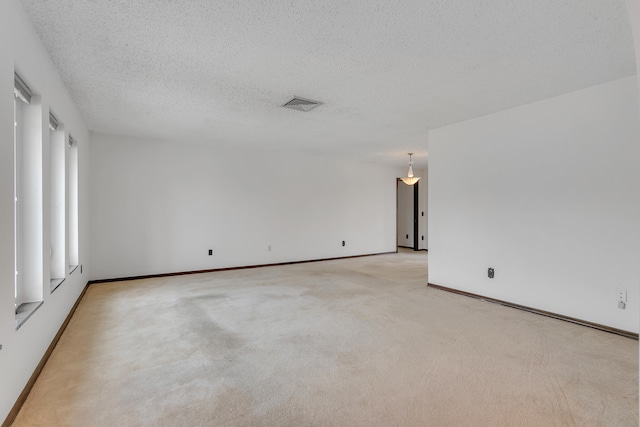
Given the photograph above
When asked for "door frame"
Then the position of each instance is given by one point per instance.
(416, 199)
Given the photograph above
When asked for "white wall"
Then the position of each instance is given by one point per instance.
(22, 349)
(633, 6)
(548, 195)
(159, 206)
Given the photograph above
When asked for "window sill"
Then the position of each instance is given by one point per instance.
(54, 283)
(24, 311)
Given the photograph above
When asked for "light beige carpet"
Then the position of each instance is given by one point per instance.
(358, 342)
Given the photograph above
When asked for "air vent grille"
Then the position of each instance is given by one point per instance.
(301, 104)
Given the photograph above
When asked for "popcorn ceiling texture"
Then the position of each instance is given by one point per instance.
(387, 71)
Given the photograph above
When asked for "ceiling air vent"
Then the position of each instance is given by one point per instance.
(301, 104)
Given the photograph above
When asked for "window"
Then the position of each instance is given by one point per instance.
(28, 232)
(73, 205)
(57, 224)
(22, 96)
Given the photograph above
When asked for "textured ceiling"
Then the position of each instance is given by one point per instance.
(386, 71)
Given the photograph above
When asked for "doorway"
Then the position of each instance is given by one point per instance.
(407, 200)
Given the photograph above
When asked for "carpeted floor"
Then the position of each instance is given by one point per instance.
(357, 342)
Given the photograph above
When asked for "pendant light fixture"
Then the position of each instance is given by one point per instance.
(410, 179)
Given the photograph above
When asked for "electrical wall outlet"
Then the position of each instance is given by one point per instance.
(491, 273)
(343, 243)
(622, 299)
(210, 252)
(622, 295)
